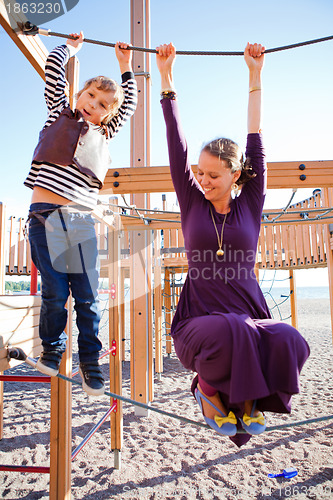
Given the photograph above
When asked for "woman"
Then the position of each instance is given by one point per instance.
(246, 363)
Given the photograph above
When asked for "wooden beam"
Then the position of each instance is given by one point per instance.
(31, 46)
(141, 249)
(280, 175)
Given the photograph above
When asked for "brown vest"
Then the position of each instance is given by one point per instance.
(71, 140)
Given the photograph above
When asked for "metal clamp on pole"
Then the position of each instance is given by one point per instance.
(20, 355)
(142, 73)
(31, 29)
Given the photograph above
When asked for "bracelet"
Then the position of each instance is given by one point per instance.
(168, 94)
(253, 89)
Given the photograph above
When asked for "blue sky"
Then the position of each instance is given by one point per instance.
(212, 90)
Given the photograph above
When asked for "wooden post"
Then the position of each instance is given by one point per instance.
(158, 305)
(115, 338)
(31, 46)
(167, 308)
(61, 423)
(11, 265)
(328, 201)
(141, 259)
(122, 311)
(293, 299)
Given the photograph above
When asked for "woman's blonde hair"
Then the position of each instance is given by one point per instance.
(107, 85)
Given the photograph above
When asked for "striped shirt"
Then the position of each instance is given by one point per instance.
(69, 181)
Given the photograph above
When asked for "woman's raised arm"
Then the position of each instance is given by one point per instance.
(254, 58)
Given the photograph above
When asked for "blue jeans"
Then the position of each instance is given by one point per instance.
(64, 250)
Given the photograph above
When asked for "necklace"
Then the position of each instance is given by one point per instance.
(219, 252)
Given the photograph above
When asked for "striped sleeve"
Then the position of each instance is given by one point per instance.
(128, 107)
(55, 83)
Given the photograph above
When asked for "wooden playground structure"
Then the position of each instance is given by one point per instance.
(146, 248)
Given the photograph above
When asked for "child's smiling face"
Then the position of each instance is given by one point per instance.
(95, 104)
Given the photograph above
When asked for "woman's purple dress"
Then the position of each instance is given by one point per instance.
(222, 328)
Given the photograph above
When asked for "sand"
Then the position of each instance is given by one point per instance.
(163, 458)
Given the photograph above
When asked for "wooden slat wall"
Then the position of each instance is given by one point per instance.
(19, 319)
(18, 250)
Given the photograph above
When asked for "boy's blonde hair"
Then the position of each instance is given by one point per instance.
(107, 85)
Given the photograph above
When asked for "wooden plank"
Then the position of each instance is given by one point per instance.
(166, 238)
(149, 299)
(270, 246)
(167, 308)
(158, 304)
(174, 239)
(28, 257)
(19, 301)
(299, 245)
(20, 246)
(280, 175)
(278, 241)
(174, 262)
(16, 324)
(321, 244)
(138, 224)
(292, 246)
(31, 46)
(16, 338)
(11, 313)
(313, 235)
(122, 312)
(262, 246)
(181, 242)
(306, 237)
(139, 319)
(12, 245)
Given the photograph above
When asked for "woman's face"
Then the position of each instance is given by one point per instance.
(215, 177)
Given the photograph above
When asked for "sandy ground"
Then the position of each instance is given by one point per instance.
(163, 458)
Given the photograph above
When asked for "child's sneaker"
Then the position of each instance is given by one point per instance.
(92, 378)
(49, 362)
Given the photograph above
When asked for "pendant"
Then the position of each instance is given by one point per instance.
(219, 252)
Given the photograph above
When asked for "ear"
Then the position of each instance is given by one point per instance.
(236, 175)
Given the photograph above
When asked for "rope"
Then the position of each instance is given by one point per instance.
(304, 214)
(269, 294)
(18, 353)
(30, 29)
(190, 421)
